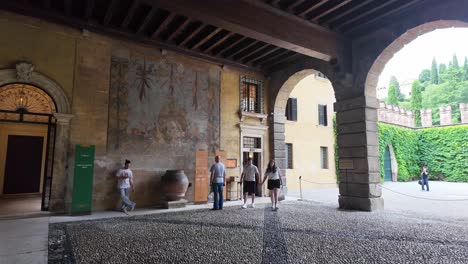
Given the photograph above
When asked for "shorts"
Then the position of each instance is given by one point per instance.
(273, 184)
(249, 187)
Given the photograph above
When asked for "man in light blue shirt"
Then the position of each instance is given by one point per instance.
(217, 182)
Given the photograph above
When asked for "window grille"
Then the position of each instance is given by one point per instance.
(252, 142)
(324, 157)
(289, 155)
(251, 95)
(322, 115)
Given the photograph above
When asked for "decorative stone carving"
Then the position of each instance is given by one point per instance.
(24, 71)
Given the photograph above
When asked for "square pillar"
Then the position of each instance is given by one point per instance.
(358, 151)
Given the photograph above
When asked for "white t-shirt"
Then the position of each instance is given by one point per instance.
(124, 183)
(249, 172)
(218, 172)
(273, 175)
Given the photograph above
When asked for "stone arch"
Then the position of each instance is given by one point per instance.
(397, 44)
(24, 73)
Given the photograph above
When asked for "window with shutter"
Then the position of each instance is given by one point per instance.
(324, 157)
(291, 109)
(322, 115)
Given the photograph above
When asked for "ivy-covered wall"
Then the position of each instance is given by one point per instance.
(443, 149)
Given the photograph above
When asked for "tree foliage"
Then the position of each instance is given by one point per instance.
(416, 101)
(434, 72)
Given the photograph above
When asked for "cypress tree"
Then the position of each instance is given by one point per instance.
(434, 73)
(455, 61)
(416, 101)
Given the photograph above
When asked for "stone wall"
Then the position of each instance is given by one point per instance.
(395, 115)
(464, 113)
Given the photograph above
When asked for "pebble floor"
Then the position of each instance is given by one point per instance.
(299, 232)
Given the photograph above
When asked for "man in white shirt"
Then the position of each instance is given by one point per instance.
(217, 182)
(249, 177)
(124, 183)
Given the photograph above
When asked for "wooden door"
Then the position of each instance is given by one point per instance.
(201, 185)
(387, 165)
(23, 164)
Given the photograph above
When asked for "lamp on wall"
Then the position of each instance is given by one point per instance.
(21, 100)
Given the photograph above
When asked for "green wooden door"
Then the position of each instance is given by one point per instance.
(387, 165)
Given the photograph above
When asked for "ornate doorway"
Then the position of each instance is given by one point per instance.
(27, 141)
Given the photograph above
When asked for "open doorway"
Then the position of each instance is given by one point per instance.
(256, 160)
(27, 136)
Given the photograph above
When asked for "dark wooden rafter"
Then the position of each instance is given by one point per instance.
(68, 7)
(147, 19)
(252, 52)
(263, 55)
(163, 25)
(294, 5)
(46, 4)
(109, 12)
(312, 8)
(344, 13)
(328, 11)
(230, 46)
(363, 14)
(219, 41)
(89, 10)
(130, 14)
(284, 59)
(275, 3)
(205, 39)
(242, 49)
(393, 11)
(278, 55)
(189, 37)
(178, 30)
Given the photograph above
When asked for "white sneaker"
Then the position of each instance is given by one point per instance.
(252, 205)
(244, 206)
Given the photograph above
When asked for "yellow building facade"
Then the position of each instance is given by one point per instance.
(309, 142)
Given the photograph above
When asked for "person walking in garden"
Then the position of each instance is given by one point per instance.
(250, 176)
(217, 182)
(425, 178)
(274, 183)
(124, 183)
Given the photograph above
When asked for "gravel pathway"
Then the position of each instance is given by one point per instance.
(299, 232)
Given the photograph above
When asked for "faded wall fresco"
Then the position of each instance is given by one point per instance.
(162, 111)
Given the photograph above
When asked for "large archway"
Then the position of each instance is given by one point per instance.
(47, 105)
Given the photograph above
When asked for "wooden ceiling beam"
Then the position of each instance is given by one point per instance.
(147, 19)
(178, 30)
(354, 8)
(291, 7)
(163, 25)
(282, 60)
(68, 7)
(218, 42)
(205, 39)
(312, 8)
(195, 32)
(242, 49)
(328, 11)
(283, 52)
(365, 13)
(252, 52)
(46, 4)
(109, 12)
(391, 12)
(89, 10)
(263, 24)
(228, 47)
(263, 55)
(130, 14)
(275, 3)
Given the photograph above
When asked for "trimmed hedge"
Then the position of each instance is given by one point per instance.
(443, 149)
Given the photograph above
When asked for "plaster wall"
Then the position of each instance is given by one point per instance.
(80, 62)
(307, 136)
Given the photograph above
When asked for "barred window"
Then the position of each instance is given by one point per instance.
(322, 115)
(252, 142)
(289, 155)
(251, 95)
(324, 157)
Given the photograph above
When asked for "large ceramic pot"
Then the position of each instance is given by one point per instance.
(174, 184)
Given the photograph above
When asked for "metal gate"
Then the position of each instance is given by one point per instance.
(387, 165)
(22, 116)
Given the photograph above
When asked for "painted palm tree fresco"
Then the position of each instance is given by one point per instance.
(144, 78)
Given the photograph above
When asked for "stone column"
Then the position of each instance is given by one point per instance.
(445, 115)
(464, 113)
(60, 200)
(278, 150)
(358, 150)
(426, 117)
(411, 121)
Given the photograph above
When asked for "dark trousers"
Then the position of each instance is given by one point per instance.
(218, 195)
(425, 181)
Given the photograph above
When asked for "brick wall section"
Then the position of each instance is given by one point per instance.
(445, 115)
(395, 115)
(426, 117)
(464, 113)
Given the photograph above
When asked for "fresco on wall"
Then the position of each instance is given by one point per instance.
(164, 109)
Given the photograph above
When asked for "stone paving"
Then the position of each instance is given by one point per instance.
(299, 232)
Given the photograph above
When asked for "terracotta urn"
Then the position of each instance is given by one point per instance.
(174, 184)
